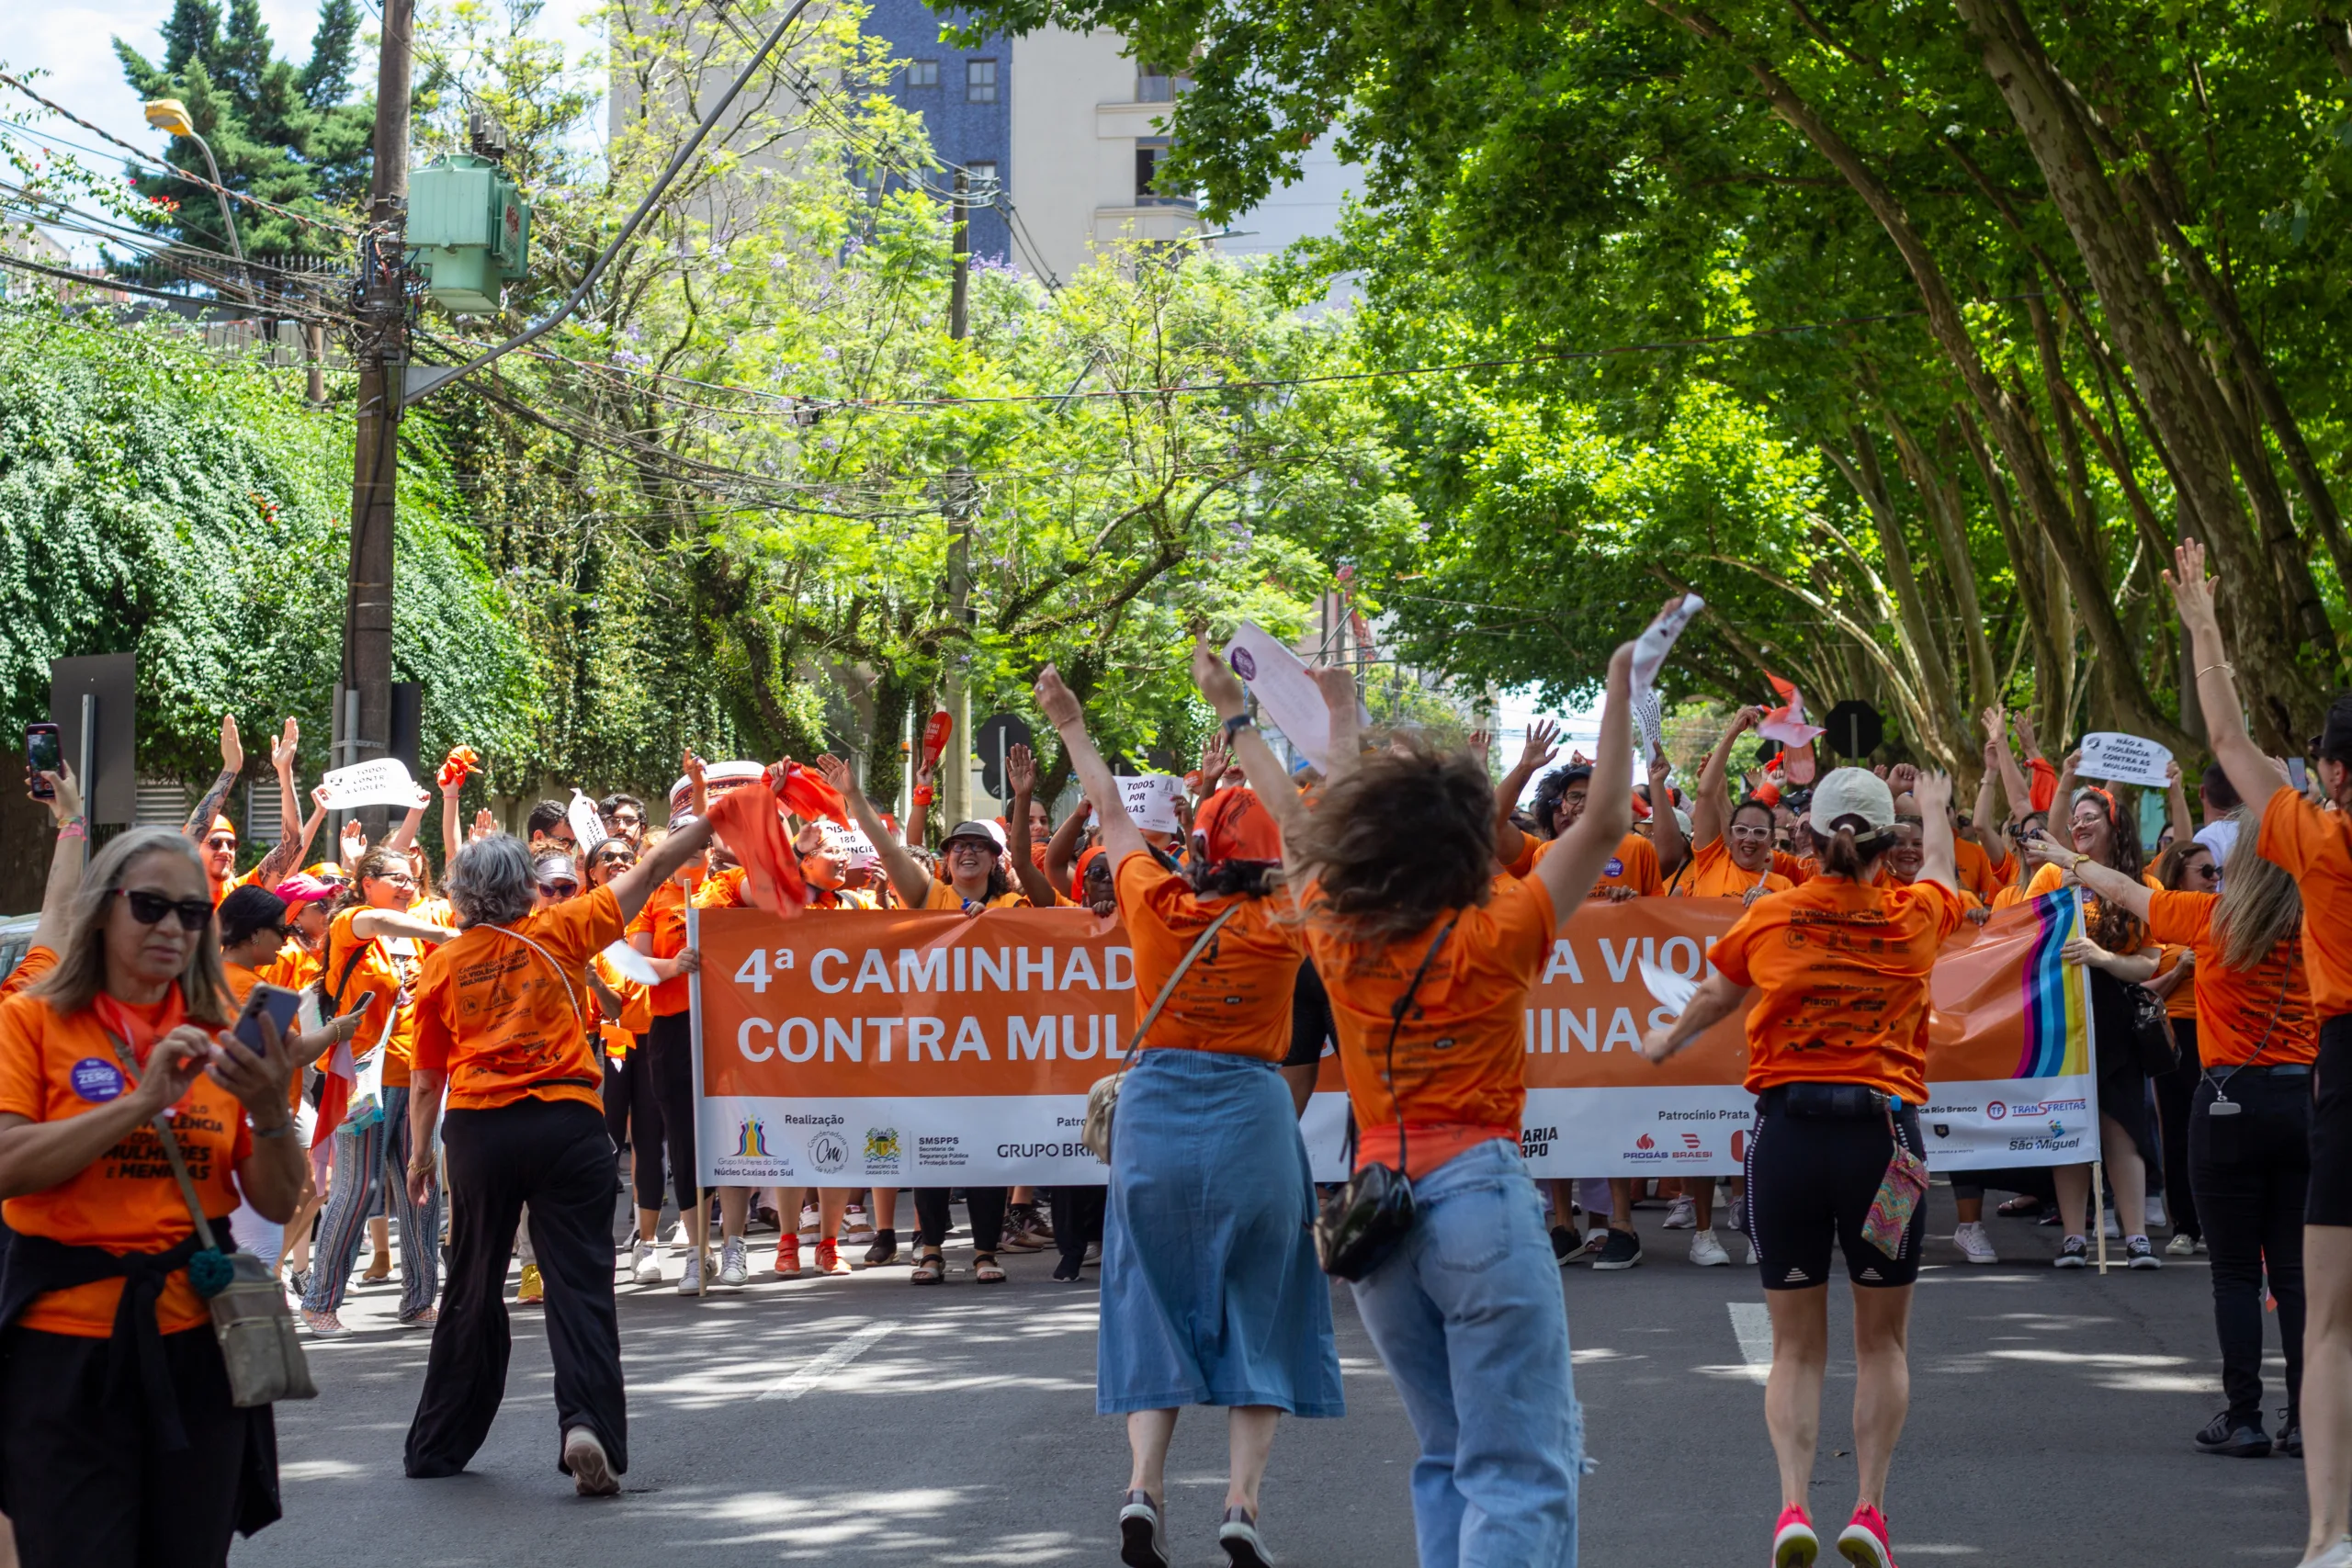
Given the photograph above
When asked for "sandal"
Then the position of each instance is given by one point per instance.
(930, 1268)
(985, 1270)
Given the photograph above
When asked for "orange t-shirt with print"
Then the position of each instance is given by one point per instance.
(943, 895)
(663, 917)
(1635, 865)
(1713, 873)
(37, 961)
(1843, 968)
(1461, 1054)
(381, 970)
(2268, 1007)
(52, 1068)
(508, 1022)
(2316, 848)
(1235, 997)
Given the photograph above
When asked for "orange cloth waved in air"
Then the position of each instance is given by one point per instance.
(1235, 997)
(2267, 1008)
(507, 1023)
(2316, 848)
(1843, 972)
(1461, 1055)
(52, 1068)
(1713, 873)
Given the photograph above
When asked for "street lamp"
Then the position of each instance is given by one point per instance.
(171, 115)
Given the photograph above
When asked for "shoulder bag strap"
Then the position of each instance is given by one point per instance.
(2278, 1008)
(172, 1151)
(358, 951)
(1397, 1026)
(1167, 989)
(578, 1017)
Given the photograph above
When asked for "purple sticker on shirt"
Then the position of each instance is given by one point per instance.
(98, 1081)
(1616, 867)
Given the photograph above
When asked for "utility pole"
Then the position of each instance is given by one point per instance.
(364, 716)
(955, 785)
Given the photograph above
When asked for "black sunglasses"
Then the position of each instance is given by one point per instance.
(149, 908)
(563, 889)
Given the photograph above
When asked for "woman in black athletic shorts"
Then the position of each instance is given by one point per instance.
(1837, 970)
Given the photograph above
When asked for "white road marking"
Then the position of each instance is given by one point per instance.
(834, 1359)
(1751, 1323)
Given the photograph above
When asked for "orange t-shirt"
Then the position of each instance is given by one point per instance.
(222, 888)
(637, 1009)
(505, 1022)
(1798, 869)
(1713, 873)
(1635, 865)
(382, 971)
(297, 966)
(2316, 848)
(664, 919)
(37, 961)
(2182, 1000)
(839, 898)
(722, 890)
(1461, 1055)
(1975, 869)
(1843, 968)
(2238, 1010)
(943, 895)
(124, 1201)
(1235, 997)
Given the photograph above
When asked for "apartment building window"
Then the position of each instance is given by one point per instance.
(979, 177)
(923, 73)
(1151, 155)
(1159, 84)
(980, 81)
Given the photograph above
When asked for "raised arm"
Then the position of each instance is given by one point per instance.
(1710, 801)
(232, 763)
(1937, 860)
(1121, 837)
(633, 887)
(2013, 784)
(451, 831)
(907, 875)
(2251, 774)
(1021, 774)
(287, 853)
(402, 837)
(1665, 831)
(1061, 850)
(1339, 690)
(2103, 882)
(1258, 764)
(2184, 827)
(1574, 863)
(1980, 821)
(67, 858)
(1534, 756)
(2064, 801)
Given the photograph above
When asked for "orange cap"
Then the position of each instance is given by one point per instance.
(221, 825)
(1233, 824)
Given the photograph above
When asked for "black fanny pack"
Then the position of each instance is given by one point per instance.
(1830, 1101)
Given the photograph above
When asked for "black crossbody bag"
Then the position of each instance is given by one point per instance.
(1357, 1228)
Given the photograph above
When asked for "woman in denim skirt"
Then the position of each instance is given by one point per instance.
(1210, 1290)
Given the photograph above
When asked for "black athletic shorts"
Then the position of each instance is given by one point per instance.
(1310, 1017)
(2330, 1203)
(1811, 1183)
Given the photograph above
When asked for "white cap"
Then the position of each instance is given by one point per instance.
(1852, 792)
(1682, 820)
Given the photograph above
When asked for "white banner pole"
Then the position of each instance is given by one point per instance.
(700, 1229)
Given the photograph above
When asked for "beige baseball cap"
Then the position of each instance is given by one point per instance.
(1852, 792)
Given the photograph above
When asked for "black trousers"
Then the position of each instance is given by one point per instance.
(554, 1156)
(1077, 1218)
(2251, 1172)
(934, 1220)
(633, 1119)
(82, 1476)
(2175, 1092)
(671, 1056)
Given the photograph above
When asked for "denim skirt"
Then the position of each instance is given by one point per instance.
(1210, 1293)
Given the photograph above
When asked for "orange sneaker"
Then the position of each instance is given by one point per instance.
(828, 1257)
(787, 1256)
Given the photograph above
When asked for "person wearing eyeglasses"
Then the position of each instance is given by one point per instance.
(371, 950)
(119, 1442)
(624, 817)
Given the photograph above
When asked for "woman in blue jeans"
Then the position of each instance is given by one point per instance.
(1210, 1290)
(1427, 955)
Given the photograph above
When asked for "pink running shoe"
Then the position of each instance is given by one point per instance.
(1794, 1544)
(1864, 1542)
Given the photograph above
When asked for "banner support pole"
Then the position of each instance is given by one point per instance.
(700, 1229)
(2098, 1210)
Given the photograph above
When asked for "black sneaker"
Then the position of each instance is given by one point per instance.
(885, 1249)
(1565, 1244)
(2139, 1253)
(2290, 1434)
(1067, 1269)
(2075, 1253)
(2233, 1440)
(1622, 1250)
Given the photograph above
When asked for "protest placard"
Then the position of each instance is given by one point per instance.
(383, 781)
(2122, 759)
(1151, 800)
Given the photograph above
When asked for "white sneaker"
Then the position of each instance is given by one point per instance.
(1752, 1258)
(811, 1224)
(734, 1262)
(1683, 1215)
(1973, 1244)
(690, 1282)
(644, 1267)
(1706, 1251)
(592, 1470)
(2114, 1231)
(855, 1226)
(2182, 1245)
(2336, 1556)
(2156, 1210)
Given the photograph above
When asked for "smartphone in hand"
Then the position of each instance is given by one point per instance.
(278, 1002)
(44, 753)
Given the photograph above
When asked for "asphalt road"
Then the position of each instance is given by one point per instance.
(856, 1421)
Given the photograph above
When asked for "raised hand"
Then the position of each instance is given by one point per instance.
(1020, 771)
(1215, 760)
(2192, 589)
(1337, 686)
(836, 773)
(1219, 684)
(484, 826)
(282, 749)
(1480, 739)
(1931, 790)
(1538, 749)
(1903, 779)
(64, 802)
(1055, 700)
(354, 844)
(232, 751)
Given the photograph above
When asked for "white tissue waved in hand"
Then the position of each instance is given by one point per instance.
(1672, 991)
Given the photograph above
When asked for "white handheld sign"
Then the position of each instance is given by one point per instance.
(587, 823)
(2122, 759)
(629, 963)
(383, 781)
(1285, 692)
(1657, 640)
(1673, 991)
(1151, 800)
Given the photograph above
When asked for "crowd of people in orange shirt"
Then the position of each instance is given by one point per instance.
(491, 1045)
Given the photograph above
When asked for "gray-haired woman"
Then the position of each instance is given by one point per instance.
(501, 1023)
(106, 1348)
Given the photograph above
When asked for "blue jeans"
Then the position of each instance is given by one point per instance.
(1468, 1318)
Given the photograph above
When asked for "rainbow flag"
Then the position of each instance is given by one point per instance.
(2057, 1012)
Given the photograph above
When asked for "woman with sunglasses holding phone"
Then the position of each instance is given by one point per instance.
(107, 1352)
(372, 950)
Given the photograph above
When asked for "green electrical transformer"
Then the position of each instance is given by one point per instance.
(472, 230)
